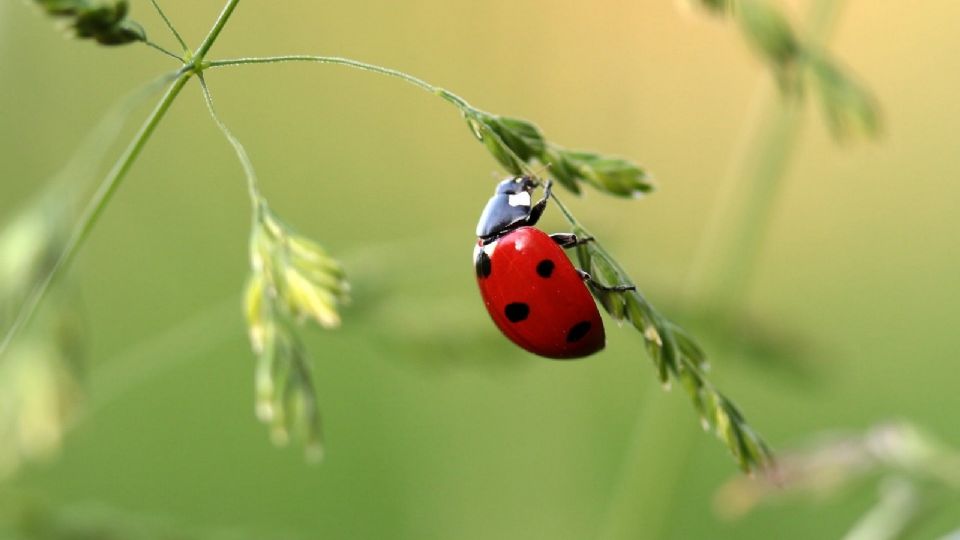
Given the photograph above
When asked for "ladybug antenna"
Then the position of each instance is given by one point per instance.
(540, 171)
(529, 181)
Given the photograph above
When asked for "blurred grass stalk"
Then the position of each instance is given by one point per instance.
(650, 474)
(40, 373)
(39, 350)
(727, 257)
(915, 473)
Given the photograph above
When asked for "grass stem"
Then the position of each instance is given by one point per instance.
(214, 33)
(95, 208)
(649, 477)
(734, 236)
(173, 29)
(114, 178)
(162, 49)
(238, 147)
(355, 64)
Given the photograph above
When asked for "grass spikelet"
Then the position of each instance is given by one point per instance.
(104, 22)
(849, 108)
(292, 279)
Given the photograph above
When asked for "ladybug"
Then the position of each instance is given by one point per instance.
(532, 291)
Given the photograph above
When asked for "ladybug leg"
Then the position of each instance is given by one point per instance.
(614, 288)
(537, 210)
(568, 240)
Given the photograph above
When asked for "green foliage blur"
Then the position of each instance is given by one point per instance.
(435, 425)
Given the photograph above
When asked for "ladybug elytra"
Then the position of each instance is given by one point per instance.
(532, 291)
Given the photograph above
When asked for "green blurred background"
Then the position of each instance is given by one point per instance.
(436, 426)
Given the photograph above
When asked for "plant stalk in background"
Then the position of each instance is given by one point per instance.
(915, 474)
(735, 233)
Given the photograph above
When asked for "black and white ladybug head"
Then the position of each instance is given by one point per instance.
(508, 208)
(516, 185)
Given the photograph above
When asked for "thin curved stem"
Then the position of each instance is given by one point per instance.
(242, 155)
(95, 207)
(363, 66)
(162, 49)
(565, 211)
(465, 108)
(169, 24)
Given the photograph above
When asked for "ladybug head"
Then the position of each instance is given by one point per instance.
(515, 185)
(509, 208)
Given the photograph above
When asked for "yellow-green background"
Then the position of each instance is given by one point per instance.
(436, 426)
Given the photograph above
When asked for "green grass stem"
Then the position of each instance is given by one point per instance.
(95, 208)
(726, 261)
(112, 181)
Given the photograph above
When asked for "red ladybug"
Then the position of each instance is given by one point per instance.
(531, 289)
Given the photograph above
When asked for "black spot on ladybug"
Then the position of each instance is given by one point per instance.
(517, 311)
(545, 268)
(577, 331)
(483, 265)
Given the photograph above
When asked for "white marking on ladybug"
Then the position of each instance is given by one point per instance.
(488, 249)
(519, 199)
